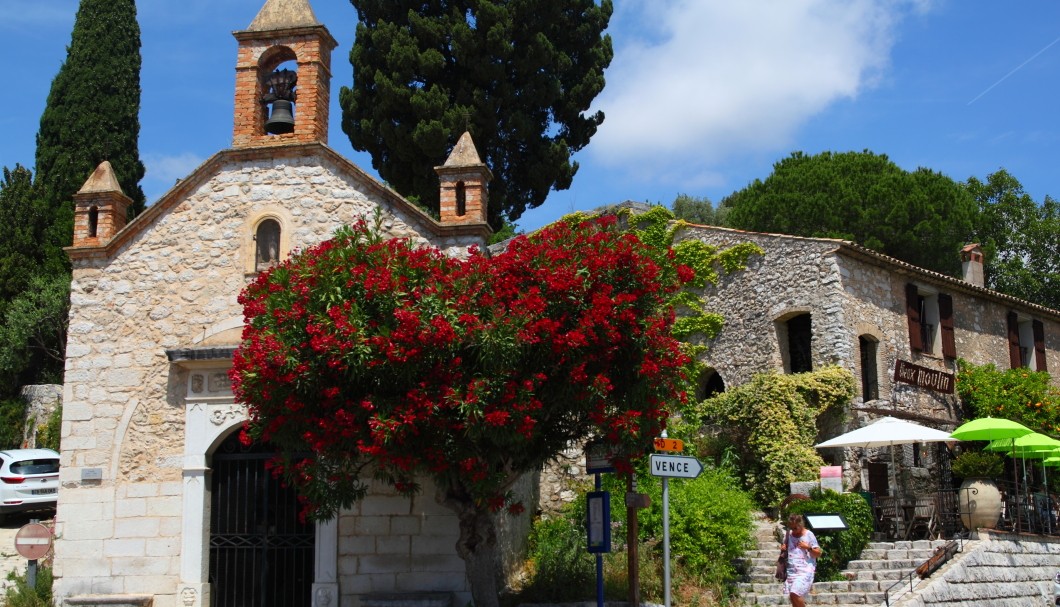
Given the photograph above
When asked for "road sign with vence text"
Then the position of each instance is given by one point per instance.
(675, 466)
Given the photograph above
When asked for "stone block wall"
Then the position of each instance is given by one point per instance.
(998, 570)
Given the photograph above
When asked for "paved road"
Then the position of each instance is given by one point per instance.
(9, 559)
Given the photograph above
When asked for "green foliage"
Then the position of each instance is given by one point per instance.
(710, 523)
(838, 547)
(920, 217)
(562, 569)
(12, 422)
(1021, 395)
(657, 228)
(698, 210)
(1020, 239)
(770, 425)
(92, 114)
(50, 432)
(978, 464)
(23, 223)
(518, 74)
(20, 594)
(33, 332)
(508, 230)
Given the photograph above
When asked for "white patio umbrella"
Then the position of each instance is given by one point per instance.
(887, 432)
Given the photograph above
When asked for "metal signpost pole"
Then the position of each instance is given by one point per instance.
(666, 537)
(670, 466)
(599, 564)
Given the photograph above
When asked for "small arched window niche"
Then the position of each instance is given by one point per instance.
(267, 241)
(266, 245)
(461, 199)
(93, 222)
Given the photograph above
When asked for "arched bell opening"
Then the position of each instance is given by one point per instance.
(278, 73)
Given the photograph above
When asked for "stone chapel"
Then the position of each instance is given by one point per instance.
(160, 506)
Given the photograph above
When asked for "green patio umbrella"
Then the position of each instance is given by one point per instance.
(990, 428)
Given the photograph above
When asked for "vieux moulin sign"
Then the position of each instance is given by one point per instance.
(930, 379)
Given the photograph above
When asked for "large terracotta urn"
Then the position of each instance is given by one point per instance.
(980, 503)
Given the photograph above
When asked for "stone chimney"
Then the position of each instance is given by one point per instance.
(463, 180)
(972, 264)
(284, 30)
(100, 208)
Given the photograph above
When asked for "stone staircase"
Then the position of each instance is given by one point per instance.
(867, 579)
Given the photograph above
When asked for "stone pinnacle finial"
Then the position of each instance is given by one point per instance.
(101, 180)
(283, 14)
(464, 153)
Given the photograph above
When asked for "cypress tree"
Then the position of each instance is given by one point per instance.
(22, 226)
(92, 113)
(518, 74)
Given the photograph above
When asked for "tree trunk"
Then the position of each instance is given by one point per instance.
(478, 547)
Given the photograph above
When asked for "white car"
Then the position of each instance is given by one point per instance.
(29, 480)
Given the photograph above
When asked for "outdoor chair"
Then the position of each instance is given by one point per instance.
(890, 520)
(924, 519)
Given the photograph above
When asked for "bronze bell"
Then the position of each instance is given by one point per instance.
(281, 120)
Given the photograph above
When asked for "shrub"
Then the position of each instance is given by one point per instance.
(1021, 395)
(978, 464)
(710, 526)
(21, 595)
(12, 422)
(710, 523)
(838, 547)
(49, 433)
(560, 567)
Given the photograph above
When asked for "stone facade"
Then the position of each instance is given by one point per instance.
(154, 320)
(856, 300)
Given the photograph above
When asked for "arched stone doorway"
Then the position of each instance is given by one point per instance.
(212, 420)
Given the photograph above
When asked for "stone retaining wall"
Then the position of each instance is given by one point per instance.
(999, 570)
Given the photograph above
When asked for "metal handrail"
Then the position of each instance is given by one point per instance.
(942, 555)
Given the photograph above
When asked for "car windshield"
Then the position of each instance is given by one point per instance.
(35, 466)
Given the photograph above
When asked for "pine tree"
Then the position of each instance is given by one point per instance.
(518, 74)
(92, 113)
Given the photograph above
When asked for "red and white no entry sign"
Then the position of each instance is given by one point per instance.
(33, 541)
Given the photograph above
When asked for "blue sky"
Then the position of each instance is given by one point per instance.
(703, 96)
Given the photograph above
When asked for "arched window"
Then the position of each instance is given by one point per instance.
(93, 222)
(266, 245)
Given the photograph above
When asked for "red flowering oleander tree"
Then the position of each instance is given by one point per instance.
(381, 358)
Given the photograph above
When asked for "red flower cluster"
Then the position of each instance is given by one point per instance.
(471, 370)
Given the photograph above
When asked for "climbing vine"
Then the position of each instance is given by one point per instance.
(770, 424)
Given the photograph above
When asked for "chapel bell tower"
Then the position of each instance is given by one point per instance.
(282, 106)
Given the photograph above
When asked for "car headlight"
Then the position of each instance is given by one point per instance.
(1056, 579)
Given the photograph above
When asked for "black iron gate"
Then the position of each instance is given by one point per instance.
(261, 555)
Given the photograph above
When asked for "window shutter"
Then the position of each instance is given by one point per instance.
(949, 343)
(1014, 341)
(912, 312)
(1039, 344)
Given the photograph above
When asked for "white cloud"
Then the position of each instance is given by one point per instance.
(697, 81)
(164, 170)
